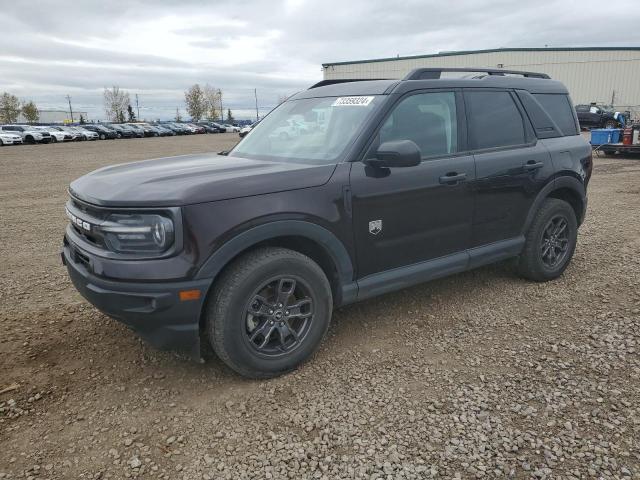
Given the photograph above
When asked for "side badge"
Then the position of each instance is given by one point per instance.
(375, 227)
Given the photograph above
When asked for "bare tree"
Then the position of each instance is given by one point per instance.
(213, 99)
(116, 102)
(30, 112)
(196, 102)
(9, 108)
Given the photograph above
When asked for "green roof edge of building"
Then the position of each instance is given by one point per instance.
(490, 50)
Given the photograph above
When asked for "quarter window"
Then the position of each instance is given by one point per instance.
(559, 108)
(494, 120)
(427, 119)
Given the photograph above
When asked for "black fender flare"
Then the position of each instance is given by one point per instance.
(557, 183)
(320, 235)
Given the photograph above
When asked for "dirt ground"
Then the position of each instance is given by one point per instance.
(480, 375)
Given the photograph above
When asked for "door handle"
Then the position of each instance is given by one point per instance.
(533, 165)
(452, 178)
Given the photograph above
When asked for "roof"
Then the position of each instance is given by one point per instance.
(490, 50)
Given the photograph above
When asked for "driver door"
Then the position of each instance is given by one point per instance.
(408, 216)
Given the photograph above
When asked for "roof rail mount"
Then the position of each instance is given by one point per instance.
(435, 73)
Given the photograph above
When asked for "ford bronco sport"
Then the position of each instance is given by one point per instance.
(389, 184)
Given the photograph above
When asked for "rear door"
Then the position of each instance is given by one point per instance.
(511, 166)
(404, 216)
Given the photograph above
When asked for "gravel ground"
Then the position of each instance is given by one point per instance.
(480, 375)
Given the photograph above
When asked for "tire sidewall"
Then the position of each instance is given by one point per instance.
(233, 327)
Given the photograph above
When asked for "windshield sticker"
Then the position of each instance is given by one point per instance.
(352, 101)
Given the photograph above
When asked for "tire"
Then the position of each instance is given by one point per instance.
(103, 136)
(533, 264)
(236, 335)
(54, 139)
(1, 143)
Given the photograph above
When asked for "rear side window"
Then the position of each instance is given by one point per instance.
(494, 120)
(560, 110)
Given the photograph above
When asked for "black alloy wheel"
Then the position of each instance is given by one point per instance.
(549, 242)
(554, 243)
(278, 316)
(268, 312)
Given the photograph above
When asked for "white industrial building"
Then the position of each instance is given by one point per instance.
(55, 116)
(604, 75)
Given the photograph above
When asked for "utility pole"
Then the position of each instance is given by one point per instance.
(255, 93)
(221, 108)
(137, 107)
(70, 110)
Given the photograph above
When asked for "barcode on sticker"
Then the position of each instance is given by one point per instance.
(352, 101)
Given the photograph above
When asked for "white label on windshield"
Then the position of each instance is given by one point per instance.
(352, 101)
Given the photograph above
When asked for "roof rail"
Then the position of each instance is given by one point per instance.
(435, 73)
(333, 81)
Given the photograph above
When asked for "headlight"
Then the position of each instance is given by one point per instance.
(138, 233)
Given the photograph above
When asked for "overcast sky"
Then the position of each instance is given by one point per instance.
(157, 48)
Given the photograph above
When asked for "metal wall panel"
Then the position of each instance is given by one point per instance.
(590, 75)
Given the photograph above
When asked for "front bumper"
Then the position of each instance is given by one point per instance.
(153, 310)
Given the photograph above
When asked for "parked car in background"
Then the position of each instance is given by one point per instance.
(137, 129)
(103, 131)
(28, 133)
(179, 128)
(76, 136)
(120, 131)
(207, 128)
(10, 138)
(87, 134)
(164, 130)
(244, 130)
(593, 116)
(231, 128)
(56, 135)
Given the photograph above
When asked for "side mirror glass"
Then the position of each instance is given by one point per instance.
(396, 154)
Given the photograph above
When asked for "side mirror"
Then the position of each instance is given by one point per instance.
(396, 154)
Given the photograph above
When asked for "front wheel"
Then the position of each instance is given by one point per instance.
(550, 241)
(54, 139)
(269, 312)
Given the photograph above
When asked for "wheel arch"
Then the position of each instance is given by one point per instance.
(566, 188)
(312, 240)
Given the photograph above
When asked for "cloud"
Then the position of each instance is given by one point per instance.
(157, 48)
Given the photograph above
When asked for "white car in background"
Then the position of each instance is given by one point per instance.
(85, 134)
(56, 135)
(231, 128)
(8, 138)
(28, 133)
(244, 130)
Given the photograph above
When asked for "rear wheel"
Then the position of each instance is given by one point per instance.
(269, 312)
(550, 241)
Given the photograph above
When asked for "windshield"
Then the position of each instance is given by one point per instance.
(310, 130)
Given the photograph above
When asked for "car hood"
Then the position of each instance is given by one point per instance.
(188, 179)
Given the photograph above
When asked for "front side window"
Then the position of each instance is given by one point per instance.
(428, 120)
(309, 130)
(494, 120)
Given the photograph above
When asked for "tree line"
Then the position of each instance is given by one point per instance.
(201, 103)
(11, 107)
